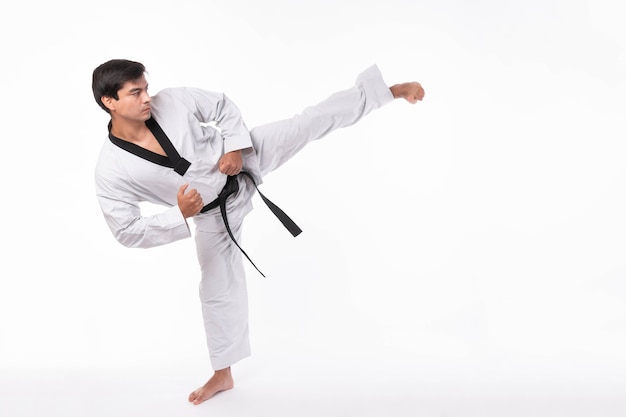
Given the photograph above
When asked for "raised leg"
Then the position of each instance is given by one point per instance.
(275, 143)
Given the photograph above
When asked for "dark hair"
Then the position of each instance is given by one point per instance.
(110, 77)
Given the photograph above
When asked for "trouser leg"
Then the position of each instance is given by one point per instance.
(223, 295)
(275, 143)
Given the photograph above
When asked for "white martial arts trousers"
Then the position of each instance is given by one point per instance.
(223, 291)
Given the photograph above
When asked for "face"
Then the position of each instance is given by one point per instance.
(133, 103)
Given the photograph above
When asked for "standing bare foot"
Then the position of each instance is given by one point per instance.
(221, 380)
(411, 91)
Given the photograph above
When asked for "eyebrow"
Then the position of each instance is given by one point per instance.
(132, 90)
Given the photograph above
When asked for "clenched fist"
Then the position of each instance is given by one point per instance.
(230, 163)
(189, 203)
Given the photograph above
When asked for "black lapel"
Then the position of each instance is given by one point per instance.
(173, 158)
(180, 165)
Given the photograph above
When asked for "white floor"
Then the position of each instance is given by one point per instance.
(309, 383)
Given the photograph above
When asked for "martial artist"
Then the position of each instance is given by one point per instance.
(179, 149)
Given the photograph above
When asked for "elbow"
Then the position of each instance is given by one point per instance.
(129, 240)
(129, 236)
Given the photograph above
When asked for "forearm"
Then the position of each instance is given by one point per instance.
(135, 231)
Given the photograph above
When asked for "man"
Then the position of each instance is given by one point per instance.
(180, 149)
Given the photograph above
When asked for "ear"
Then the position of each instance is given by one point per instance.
(109, 102)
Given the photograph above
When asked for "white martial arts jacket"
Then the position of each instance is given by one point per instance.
(123, 179)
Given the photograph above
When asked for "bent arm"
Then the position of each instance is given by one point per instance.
(123, 216)
(216, 107)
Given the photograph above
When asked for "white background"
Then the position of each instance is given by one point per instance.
(461, 257)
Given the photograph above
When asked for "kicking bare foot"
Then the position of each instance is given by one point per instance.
(221, 380)
(411, 91)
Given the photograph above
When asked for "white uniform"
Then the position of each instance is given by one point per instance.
(123, 180)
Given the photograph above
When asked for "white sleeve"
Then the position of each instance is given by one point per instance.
(123, 216)
(216, 107)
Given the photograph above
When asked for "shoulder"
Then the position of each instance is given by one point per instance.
(169, 94)
(186, 94)
(181, 93)
(107, 161)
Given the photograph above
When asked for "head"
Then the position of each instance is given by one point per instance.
(112, 76)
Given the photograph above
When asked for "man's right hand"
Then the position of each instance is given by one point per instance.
(189, 203)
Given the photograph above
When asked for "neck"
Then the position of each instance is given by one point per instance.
(131, 131)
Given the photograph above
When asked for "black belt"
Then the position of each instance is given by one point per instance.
(231, 187)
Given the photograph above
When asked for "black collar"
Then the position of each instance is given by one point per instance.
(173, 158)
